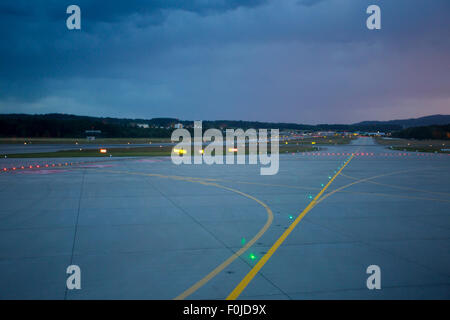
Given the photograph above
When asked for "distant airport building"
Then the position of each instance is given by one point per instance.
(92, 134)
(325, 133)
(375, 134)
(178, 126)
(143, 125)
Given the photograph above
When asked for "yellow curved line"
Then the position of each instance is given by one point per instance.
(224, 264)
(227, 262)
(343, 175)
(361, 180)
(400, 187)
(235, 255)
(319, 198)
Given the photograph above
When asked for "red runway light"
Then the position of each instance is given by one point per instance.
(31, 167)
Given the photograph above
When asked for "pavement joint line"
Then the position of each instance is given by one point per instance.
(249, 277)
(220, 268)
(76, 226)
(190, 179)
(371, 178)
(393, 196)
(206, 229)
(372, 245)
(399, 187)
(235, 255)
(365, 288)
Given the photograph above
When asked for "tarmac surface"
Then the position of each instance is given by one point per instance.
(144, 228)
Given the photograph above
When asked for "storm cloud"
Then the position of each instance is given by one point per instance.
(299, 61)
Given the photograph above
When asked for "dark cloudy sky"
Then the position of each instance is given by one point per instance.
(304, 61)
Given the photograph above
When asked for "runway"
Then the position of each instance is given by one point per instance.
(144, 228)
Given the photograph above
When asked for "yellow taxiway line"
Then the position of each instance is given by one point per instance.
(235, 255)
(211, 182)
(243, 284)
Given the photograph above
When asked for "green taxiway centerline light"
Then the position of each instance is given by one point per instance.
(310, 196)
(322, 185)
(329, 177)
(243, 241)
(291, 217)
(252, 256)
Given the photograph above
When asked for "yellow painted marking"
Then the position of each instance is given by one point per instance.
(243, 284)
(224, 264)
(359, 181)
(235, 255)
(400, 187)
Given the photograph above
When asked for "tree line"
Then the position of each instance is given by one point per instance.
(72, 126)
(427, 132)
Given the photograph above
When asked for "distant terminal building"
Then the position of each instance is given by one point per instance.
(92, 134)
(375, 134)
(326, 133)
(178, 126)
(142, 125)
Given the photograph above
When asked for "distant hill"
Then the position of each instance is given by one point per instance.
(437, 120)
(57, 125)
(428, 132)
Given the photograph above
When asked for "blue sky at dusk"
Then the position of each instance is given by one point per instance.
(303, 61)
